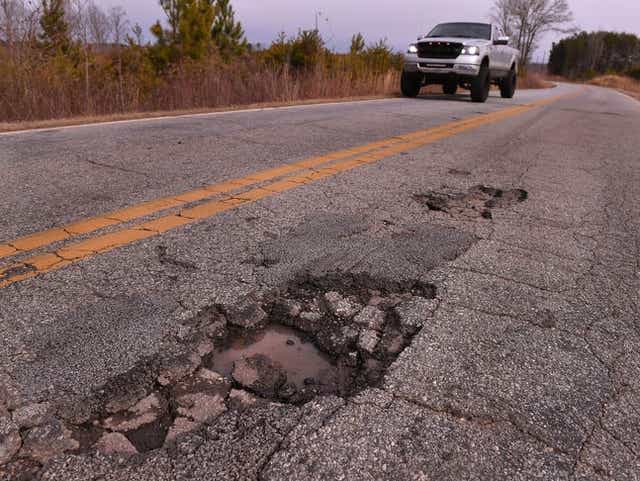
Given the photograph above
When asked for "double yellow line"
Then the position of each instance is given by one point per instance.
(196, 205)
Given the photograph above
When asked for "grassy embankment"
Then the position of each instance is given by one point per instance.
(220, 91)
(627, 85)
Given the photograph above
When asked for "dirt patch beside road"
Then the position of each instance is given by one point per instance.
(625, 85)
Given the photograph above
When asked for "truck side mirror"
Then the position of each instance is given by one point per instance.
(501, 41)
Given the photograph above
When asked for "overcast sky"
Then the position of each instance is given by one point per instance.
(400, 21)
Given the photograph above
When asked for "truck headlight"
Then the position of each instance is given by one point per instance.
(470, 50)
(413, 48)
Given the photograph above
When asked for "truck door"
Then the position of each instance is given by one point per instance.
(499, 51)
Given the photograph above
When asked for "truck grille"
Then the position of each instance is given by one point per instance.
(439, 50)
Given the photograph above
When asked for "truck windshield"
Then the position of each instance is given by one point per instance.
(462, 30)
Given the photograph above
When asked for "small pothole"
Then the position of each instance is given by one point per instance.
(459, 172)
(478, 201)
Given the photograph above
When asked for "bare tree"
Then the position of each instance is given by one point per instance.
(100, 26)
(137, 32)
(19, 23)
(527, 20)
(501, 16)
(18, 20)
(119, 26)
(9, 13)
(30, 21)
(78, 20)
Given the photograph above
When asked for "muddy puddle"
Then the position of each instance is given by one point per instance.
(289, 350)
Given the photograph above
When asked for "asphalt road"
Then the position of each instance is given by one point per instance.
(527, 368)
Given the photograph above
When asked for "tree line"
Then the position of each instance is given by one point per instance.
(587, 54)
(63, 58)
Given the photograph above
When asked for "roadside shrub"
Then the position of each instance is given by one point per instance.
(199, 58)
(634, 72)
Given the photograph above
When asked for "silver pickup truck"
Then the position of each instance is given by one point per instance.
(468, 55)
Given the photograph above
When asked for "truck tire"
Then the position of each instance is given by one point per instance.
(508, 85)
(481, 85)
(450, 88)
(410, 84)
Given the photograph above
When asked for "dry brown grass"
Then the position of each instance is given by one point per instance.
(221, 96)
(33, 96)
(533, 80)
(74, 121)
(624, 84)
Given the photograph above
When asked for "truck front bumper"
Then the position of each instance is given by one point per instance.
(442, 68)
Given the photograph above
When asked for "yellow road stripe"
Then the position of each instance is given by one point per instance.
(6, 250)
(41, 238)
(78, 251)
(45, 238)
(164, 224)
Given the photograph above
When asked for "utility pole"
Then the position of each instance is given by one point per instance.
(318, 15)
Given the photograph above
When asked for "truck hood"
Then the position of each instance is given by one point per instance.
(478, 42)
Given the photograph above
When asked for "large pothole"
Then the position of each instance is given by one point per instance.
(319, 337)
(334, 335)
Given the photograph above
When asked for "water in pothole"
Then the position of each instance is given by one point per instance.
(285, 347)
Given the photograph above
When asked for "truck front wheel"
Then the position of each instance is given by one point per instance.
(410, 84)
(480, 85)
(508, 85)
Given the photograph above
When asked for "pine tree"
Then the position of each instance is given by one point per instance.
(307, 49)
(172, 11)
(227, 34)
(196, 21)
(357, 44)
(189, 34)
(55, 30)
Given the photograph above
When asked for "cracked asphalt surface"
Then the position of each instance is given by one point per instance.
(528, 369)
